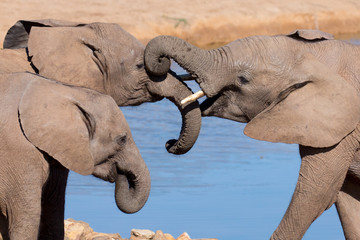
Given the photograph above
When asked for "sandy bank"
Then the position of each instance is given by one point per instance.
(202, 22)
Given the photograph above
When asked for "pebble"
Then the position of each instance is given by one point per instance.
(79, 230)
(159, 235)
(184, 236)
(169, 237)
(141, 234)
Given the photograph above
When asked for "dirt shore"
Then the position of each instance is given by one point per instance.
(202, 22)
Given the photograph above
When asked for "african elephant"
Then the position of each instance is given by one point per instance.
(48, 128)
(301, 88)
(100, 56)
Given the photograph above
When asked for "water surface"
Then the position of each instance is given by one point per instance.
(228, 186)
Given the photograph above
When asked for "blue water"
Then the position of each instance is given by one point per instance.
(228, 186)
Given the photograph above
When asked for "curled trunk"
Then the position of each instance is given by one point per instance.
(132, 184)
(175, 90)
(160, 49)
(201, 64)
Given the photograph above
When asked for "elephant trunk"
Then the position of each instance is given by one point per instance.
(160, 49)
(175, 90)
(204, 65)
(132, 184)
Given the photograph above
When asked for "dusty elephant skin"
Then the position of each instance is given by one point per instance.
(100, 56)
(47, 129)
(301, 88)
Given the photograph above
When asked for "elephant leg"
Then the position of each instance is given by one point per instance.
(348, 207)
(322, 173)
(24, 213)
(53, 204)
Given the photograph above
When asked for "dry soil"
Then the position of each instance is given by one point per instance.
(202, 22)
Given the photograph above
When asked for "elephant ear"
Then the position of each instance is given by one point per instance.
(54, 122)
(317, 111)
(65, 53)
(310, 35)
(18, 35)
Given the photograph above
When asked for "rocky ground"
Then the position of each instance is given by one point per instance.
(78, 230)
(202, 22)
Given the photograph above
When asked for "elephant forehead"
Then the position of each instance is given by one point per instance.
(114, 123)
(111, 33)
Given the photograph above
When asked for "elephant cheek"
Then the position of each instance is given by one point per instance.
(221, 106)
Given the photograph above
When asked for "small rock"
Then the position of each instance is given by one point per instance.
(159, 235)
(77, 230)
(169, 236)
(141, 234)
(184, 236)
(103, 236)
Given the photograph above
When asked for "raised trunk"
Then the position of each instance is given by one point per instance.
(175, 90)
(160, 49)
(132, 185)
(202, 64)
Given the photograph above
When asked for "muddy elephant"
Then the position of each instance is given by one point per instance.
(301, 88)
(100, 56)
(47, 129)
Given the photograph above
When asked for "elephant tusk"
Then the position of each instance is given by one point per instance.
(186, 77)
(193, 97)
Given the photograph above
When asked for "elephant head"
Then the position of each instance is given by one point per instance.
(285, 87)
(86, 132)
(106, 58)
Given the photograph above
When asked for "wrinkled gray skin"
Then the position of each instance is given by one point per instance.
(100, 56)
(46, 130)
(300, 88)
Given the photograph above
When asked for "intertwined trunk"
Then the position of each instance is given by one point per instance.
(175, 90)
(205, 65)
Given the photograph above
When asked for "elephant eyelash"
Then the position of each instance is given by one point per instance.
(89, 121)
(243, 80)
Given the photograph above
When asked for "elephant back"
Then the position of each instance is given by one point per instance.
(310, 35)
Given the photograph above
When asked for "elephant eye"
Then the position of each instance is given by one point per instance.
(121, 139)
(243, 80)
(140, 65)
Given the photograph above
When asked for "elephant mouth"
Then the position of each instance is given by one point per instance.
(115, 172)
(130, 177)
(218, 105)
(206, 103)
(106, 170)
